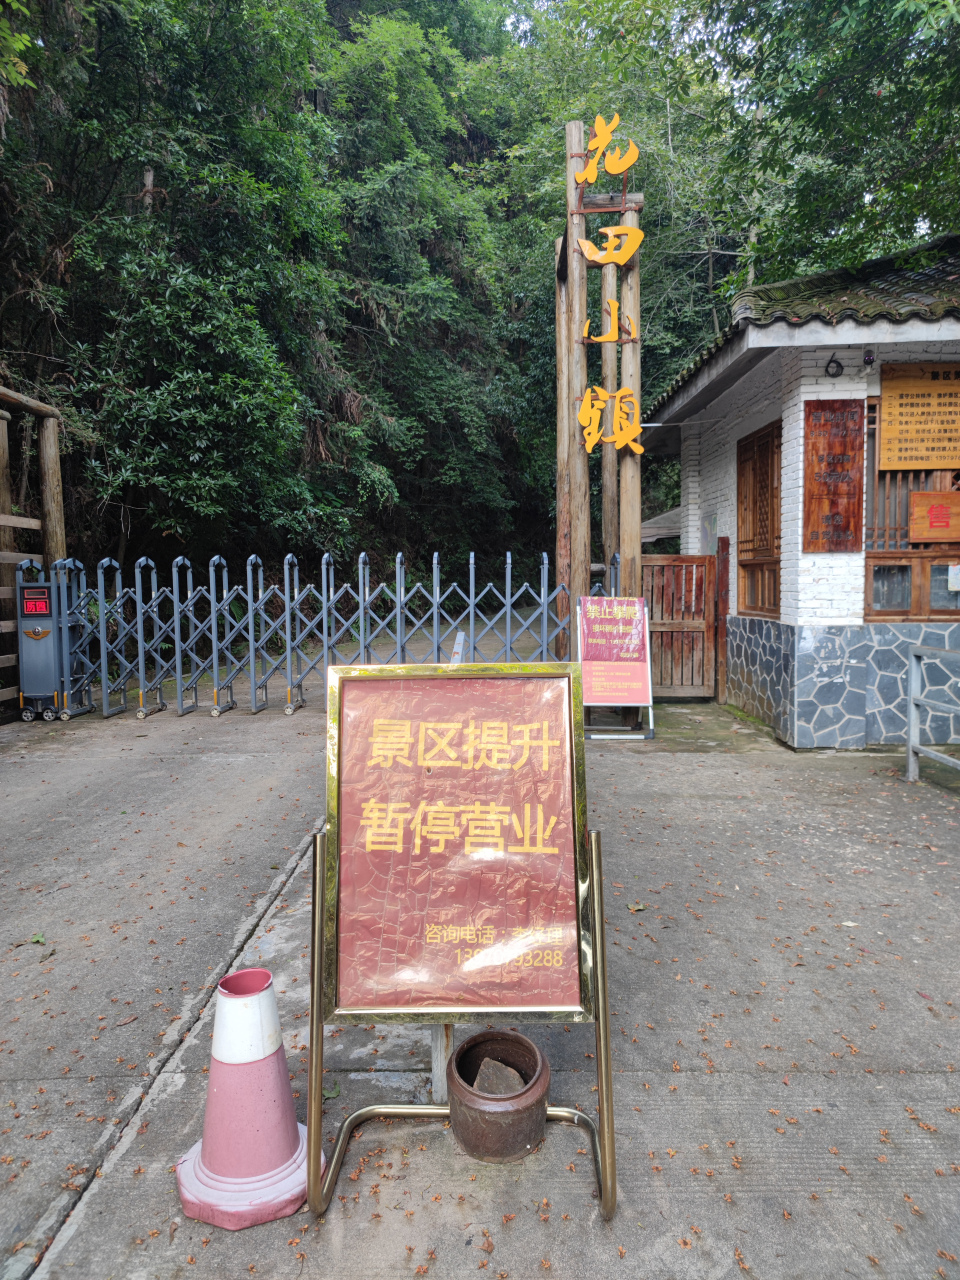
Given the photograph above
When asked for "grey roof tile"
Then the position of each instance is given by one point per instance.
(919, 284)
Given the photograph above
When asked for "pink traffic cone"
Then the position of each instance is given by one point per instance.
(251, 1164)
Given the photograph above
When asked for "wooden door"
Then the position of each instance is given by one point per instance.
(681, 593)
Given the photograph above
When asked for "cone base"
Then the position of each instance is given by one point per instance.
(235, 1203)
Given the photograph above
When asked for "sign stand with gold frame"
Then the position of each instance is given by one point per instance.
(324, 990)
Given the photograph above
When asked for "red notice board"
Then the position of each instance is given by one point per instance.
(456, 842)
(615, 651)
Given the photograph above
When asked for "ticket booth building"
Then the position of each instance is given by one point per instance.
(821, 434)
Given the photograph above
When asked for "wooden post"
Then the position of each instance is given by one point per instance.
(562, 562)
(630, 524)
(611, 503)
(723, 608)
(51, 491)
(577, 372)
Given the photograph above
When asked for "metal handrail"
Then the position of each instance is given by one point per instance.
(916, 699)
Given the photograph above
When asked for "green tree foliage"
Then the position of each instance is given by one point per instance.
(288, 266)
(13, 45)
(839, 124)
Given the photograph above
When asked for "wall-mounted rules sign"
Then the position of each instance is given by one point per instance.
(615, 651)
(833, 475)
(457, 844)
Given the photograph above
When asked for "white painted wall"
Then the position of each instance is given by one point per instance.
(823, 589)
(815, 589)
(712, 439)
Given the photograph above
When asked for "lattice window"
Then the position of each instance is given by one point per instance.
(904, 579)
(758, 522)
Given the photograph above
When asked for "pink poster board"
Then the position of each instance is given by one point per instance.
(457, 876)
(614, 651)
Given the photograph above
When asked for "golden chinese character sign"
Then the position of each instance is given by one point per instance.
(920, 417)
(934, 517)
(454, 824)
(615, 652)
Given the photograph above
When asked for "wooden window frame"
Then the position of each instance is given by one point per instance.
(758, 548)
(887, 495)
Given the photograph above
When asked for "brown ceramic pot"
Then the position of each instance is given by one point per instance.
(498, 1129)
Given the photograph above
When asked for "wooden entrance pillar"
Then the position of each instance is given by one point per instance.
(576, 362)
(562, 561)
(51, 483)
(630, 522)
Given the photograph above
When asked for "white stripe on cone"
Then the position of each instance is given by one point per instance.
(246, 1026)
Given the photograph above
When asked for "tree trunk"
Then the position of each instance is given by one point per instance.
(630, 520)
(611, 502)
(562, 562)
(577, 374)
(51, 491)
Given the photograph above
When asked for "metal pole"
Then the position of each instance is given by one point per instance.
(361, 613)
(608, 1155)
(913, 716)
(326, 593)
(252, 629)
(288, 631)
(508, 596)
(473, 608)
(398, 607)
(315, 1069)
(544, 606)
(436, 606)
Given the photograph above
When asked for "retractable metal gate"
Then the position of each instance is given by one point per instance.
(199, 638)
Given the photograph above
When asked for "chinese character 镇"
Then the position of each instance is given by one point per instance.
(391, 740)
(626, 424)
(384, 823)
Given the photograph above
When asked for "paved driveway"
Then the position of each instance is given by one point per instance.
(785, 1030)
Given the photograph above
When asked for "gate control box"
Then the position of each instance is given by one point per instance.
(41, 676)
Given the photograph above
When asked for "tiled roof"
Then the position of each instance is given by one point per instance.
(920, 284)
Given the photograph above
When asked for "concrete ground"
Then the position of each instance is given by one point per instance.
(787, 1104)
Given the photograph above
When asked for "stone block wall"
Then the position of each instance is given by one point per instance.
(842, 687)
(760, 658)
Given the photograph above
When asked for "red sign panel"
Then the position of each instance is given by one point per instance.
(35, 600)
(457, 851)
(615, 652)
(935, 517)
